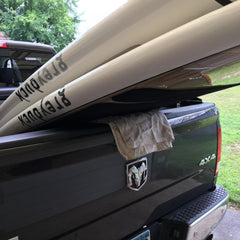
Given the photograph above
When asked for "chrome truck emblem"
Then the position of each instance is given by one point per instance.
(137, 173)
(207, 159)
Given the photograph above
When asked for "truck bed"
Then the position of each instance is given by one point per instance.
(71, 183)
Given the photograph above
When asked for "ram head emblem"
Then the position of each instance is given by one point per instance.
(137, 173)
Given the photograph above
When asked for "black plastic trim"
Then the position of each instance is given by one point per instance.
(224, 2)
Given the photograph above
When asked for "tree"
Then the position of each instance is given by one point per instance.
(47, 21)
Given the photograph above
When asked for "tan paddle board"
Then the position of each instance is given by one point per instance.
(201, 38)
(132, 25)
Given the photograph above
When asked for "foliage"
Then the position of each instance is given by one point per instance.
(47, 21)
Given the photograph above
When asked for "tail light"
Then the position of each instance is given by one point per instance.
(219, 148)
(3, 44)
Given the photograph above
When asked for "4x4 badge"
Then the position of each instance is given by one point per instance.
(137, 173)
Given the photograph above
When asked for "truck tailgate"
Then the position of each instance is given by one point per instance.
(57, 182)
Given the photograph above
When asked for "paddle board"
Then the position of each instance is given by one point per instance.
(132, 25)
(216, 32)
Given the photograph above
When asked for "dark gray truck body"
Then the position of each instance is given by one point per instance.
(71, 184)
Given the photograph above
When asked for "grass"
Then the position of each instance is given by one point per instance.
(228, 103)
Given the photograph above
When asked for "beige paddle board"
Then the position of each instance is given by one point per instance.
(201, 38)
(132, 25)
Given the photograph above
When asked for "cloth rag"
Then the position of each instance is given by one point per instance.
(139, 134)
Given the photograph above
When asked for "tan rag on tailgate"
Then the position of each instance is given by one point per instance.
(139, 134)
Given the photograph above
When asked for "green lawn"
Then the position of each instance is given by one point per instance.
(228, 103)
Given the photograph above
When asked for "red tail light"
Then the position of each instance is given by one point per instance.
(3, 44)
(219, 148)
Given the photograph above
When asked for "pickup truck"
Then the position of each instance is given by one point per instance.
(18, 60)
(71, 183)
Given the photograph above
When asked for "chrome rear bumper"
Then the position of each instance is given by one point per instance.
(203, 226)
(197, 219)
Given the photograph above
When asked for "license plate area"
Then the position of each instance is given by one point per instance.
(143, 236)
